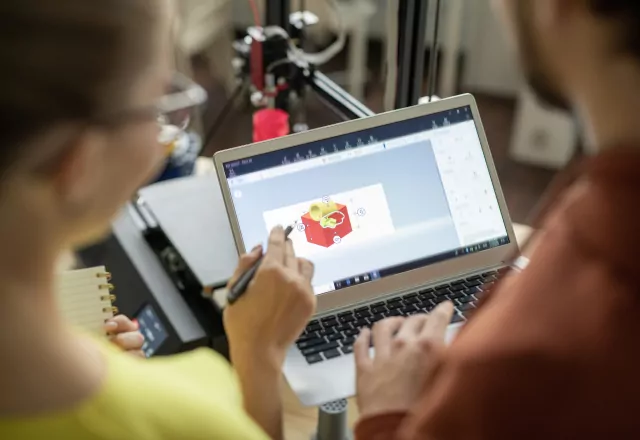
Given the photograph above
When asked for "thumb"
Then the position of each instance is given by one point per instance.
(246, 261)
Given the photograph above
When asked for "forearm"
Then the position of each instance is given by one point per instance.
(260, 382)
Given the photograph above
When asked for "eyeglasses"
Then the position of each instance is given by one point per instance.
(175, 109)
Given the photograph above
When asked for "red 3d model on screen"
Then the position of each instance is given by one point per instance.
(326, 223)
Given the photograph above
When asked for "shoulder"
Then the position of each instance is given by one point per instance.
(188, 396)
(599, 214)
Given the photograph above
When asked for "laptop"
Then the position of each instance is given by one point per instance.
(398, 211)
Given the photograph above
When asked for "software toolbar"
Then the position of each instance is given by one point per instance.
(347, 142)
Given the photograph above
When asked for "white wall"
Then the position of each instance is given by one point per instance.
(491, 65)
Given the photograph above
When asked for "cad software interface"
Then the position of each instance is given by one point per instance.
(374, 203)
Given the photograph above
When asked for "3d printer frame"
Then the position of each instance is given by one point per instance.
(412, 23)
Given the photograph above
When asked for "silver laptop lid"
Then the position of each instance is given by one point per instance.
(381, 204)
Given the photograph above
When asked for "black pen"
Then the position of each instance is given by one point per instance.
(240, 286)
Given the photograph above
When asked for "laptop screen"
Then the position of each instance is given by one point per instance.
(374, 203)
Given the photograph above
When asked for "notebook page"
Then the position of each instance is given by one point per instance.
(84, 298)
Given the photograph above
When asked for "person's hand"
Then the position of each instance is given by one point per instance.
(405, 351)
(278, 303)
(124, 333)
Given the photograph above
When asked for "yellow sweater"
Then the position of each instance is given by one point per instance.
(188, 396)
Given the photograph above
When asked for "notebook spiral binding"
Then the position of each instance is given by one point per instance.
(110, 297)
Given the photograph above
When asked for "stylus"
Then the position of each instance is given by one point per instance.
(240, 287)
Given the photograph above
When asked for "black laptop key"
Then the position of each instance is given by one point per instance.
(394, 306)
(426, 299)
(320, 348)
(395, 312)
(344, 327)
(349, 341)
(394, 301)
(474, 278)
(490, 273)
(467, 299)
(314, 358)
(327, 331)
(361, 309)
(378, 304)
(347, 318)
(443, 292)
(457, 282)
(409, 296)
(426, 303)
(466, 307)
(457, 295)
(314, 322)
(343, 314)
(376, 318)
(439, 300)
(442, 286)
(328, 318)
(347, 349)
(334, 337)
(379, 310)
(471, 291)
(313, 327)
(426, 291)
(458, 287)
(471, 284)
(330, 324)
(363, 314)
(414, 300)
(409, 308)
(311, 343)
(307, 337)
(427, 309)
(457, 318)
(361, 323)
(352, 332)
(330, 354)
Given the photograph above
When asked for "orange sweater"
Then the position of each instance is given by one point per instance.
(555, 352)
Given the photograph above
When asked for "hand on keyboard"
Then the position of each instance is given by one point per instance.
(405, 349)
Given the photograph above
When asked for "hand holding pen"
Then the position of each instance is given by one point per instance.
(276, 305)
(238, 287)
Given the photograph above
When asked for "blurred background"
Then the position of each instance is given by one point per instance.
(529, 143)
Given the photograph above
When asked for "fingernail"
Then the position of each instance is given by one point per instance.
(110, 325)
(279, 228)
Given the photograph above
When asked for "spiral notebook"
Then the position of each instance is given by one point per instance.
(84, 298)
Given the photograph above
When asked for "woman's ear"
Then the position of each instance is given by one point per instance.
(77, 173)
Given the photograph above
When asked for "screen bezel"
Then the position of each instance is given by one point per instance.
(395, 283)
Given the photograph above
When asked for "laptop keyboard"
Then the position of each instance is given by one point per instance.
(332, 336)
